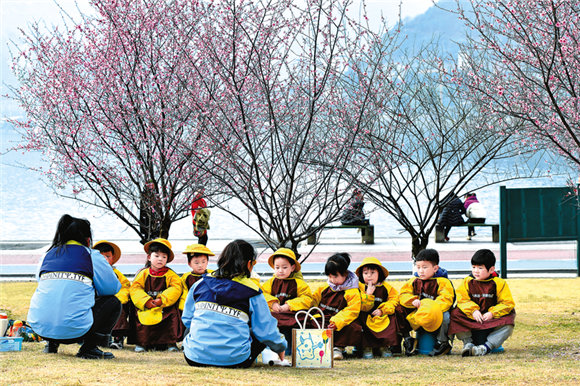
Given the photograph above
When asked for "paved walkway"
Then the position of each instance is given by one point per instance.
(18, 260)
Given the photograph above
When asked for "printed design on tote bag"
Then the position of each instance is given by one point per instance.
(306, 348)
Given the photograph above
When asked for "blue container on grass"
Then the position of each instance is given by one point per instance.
(10, 344)
(425, 341)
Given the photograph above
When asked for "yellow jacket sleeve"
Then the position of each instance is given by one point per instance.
(137, 291)
(123, 294)
(185, 291)
(464, 302)
(367, 301)
(349, 313)
(173, 291)
(505, 301)
(407, 296)
(445, 294)
(317, 295)
(388, 307)
(267, 290)
(304, 299)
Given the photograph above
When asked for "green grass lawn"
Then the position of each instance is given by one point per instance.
(544, 350)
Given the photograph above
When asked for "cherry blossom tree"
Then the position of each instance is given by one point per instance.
(291, 85)
(522, 61)
(432, 143)
(108, 104)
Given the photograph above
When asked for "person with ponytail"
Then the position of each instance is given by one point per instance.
(228, 316)
(75, 299)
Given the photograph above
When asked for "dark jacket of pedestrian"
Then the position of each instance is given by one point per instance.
(452, 213)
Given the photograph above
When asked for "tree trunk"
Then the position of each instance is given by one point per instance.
(164, 230)
(419, 244)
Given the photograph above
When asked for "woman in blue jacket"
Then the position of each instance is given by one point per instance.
(75, 299)
(228, 316)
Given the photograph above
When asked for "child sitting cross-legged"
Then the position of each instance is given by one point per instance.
(340, 300)
(425, 301)
(155, 292)
(286, 292)
(484, 302)
(379, 301)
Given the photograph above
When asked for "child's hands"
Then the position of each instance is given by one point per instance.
(276, 307)
(332, 326)
(377, 312)
(478, 316)
(416, 303)
(152, 303)
(370, 289)
(285, 308)
(488, 316)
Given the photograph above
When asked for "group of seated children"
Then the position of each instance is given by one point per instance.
(366, 312)
(361, 307)
(157, 295)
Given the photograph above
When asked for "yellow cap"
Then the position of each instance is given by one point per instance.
(286, 252)
(116, 249)
(428, 316)
(151, 316)
(198, 248)
(160, 241)
(369, 261)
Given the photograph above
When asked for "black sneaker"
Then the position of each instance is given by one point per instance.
(441, 348)
(94, 353)
(51, 348)
(410, 346)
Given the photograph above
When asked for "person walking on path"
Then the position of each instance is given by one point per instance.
(200, 217)
(452, 215)
(75, 299)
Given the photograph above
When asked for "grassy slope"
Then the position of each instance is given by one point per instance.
(545, 349)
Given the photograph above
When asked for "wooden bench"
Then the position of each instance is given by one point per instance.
(367, 233)
(440, 235)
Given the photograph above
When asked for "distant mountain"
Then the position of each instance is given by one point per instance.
(435, 24)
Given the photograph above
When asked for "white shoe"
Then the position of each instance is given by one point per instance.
(337, 354)
(478, 351)
(466, 351)
(140, 349)
(468, 238)
(173, 348)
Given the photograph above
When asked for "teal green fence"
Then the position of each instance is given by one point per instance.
(537, 214)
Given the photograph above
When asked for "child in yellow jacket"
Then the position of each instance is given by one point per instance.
(112, 253)
(340, 301)
(286, 292)
(197, 259)
(155, 292)
(379, 301)
(425, 301)
(484, 301)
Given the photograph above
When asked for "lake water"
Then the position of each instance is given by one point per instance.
(29, 210)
